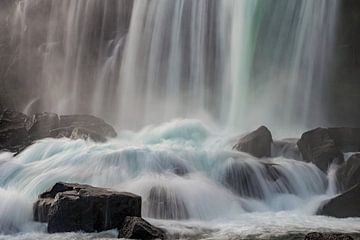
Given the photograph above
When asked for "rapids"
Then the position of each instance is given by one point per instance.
(189, 162)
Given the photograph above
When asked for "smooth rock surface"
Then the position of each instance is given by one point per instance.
(41, 124)
(257, 143)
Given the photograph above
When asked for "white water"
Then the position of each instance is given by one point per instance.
(139, 161)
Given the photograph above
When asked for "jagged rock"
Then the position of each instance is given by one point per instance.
(348, 175)
(41, 124)
(88, 122)
(13, 134)
(318, 147)
(344, 205)
(286, 148)
(257, 143)
(165, 204)
(138, 228)
(73, 207)
(327, 236)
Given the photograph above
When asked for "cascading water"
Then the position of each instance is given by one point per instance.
(238, 63)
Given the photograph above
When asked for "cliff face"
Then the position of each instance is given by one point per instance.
(344, 95)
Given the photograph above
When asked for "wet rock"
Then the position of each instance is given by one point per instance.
(164, 204)
(88, 122)
(318, 147)
(74, 207)
(257, 143)
(344, 205)
(327, 236)
(348, 175)
(138, 228)
(13, 133)
(77, 133)
(286, 148)
(347, 139)
(41, 125)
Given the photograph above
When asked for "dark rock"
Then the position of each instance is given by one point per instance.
(257, 143)
(41, 124)
(91, 123)
(343, 206)
(318, 147)
(327, 236)
(165, 204)
(286, 148)
(74, 207)
(77, 133)
(347, 139)
(348, 175)
(13, 134)
(138, 228)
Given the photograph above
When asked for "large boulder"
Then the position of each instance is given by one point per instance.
(257, 143)
(344, 205)
(138, 228)
(164, 204)
(318, 147)
(77, 133)
(13, 133)
(347, 139)
(74, 207)
(41, 124)
(348, 175)
(88, 122)
(327, 236)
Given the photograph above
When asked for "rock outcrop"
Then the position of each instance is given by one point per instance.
(317, 146)
(348, 175)
(344, 205)
(138, 228)
(257, 143)
(327, 236)
(73, 207)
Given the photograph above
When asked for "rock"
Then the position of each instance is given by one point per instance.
(257, 143)
(344, 205)
(318, 147)
(347, 139)
(41, 124)
(88, 122)
(327, 236)
(77, 133)
(74, 207)
(138, 228)
(286, 148)
(348, 175)
(164, 204)
(13, 134)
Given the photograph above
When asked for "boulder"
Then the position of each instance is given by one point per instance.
(344, 205)
(348, 175)
(327, 236)
(138, 228)
(257, 143)
(164, 204)
(70, 207)
(318, 147)
(347, 139)
(13, 133)
(88, 122)
(77, 133)
(41, 124)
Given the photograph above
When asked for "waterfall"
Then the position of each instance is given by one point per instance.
(235, 63)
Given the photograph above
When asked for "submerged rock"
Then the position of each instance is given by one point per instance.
(13, 133)
(138, 228)
(257, 143)
(164, 204)
(348, 175)
(318, 147)
(344, 205)
(73, 207)
(327, 236)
